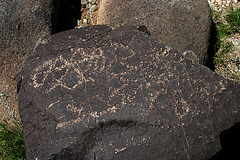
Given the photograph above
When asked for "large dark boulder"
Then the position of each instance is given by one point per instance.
(97, 93)
(182, 24)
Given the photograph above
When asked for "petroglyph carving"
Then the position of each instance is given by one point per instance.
(119, 95)
(61, 71)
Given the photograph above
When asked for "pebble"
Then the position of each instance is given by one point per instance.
(93, 8)
(85, 20)
(84, 2)
(88, 6)
(81, 26)
(93, 1)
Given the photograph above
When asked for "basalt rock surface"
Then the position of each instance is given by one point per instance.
(182, 24)
(97, 93)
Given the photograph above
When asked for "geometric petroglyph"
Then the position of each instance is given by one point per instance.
(60, 72)
(81, 114)
(63, 72)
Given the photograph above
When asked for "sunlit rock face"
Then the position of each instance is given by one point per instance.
(184, 25)
(98, 93)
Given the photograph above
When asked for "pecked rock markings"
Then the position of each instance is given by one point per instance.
(97, 93)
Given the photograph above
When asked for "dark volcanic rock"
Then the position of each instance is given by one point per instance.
(97, 93)
(182, 24)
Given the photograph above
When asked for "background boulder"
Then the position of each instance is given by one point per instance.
(182, 24)
(97, 93)
(22, 23)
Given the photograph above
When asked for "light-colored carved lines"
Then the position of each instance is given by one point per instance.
(111, 147)
(95, 61)
(57, 72)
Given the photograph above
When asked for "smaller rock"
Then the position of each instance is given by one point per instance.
(93, 8)
(191, 55)
(81, 26)
(85, 20)
(220, 3)
(84, 2)
(93, 1)
(88, 6)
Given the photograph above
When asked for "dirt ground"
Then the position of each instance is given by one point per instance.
(9, 67)
(88, 17)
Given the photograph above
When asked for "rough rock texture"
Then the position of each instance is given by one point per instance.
(97, 93)
(22, 23)
(181, 24)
